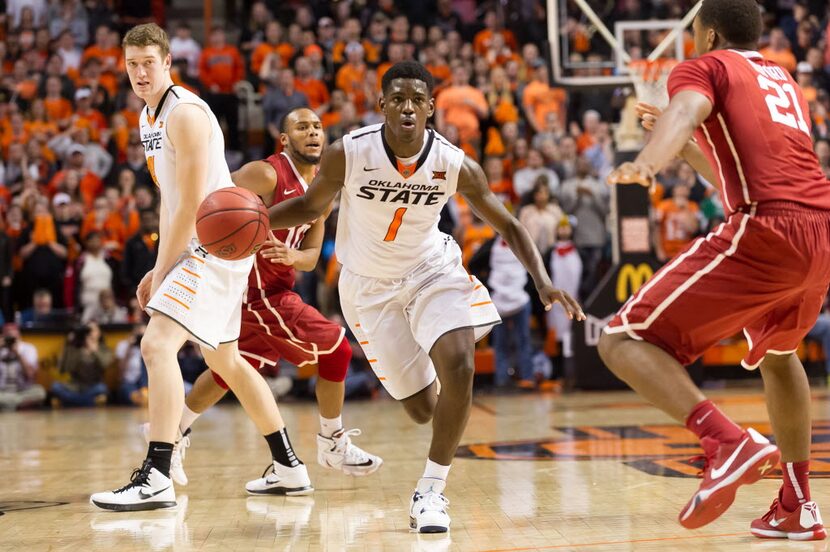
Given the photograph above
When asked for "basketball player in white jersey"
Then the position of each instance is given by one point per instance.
(403, 290)
(190, 294)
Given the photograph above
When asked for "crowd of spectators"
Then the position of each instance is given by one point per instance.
(78, 208)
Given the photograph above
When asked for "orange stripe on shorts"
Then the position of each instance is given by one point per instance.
(198, 259)
(364, 342)
(481, 304)
(371, 360)
(191, 273)
(176, 300)
(191, 290)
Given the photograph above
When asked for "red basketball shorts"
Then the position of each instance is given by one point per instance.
(764, 272)
(280, 325)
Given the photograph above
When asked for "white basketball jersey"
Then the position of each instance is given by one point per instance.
(161, 156)
(389, 212)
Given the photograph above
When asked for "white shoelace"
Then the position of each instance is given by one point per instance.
(435, 501)
(352, 453)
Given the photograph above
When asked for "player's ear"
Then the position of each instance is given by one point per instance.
(382, 104)
(283, 139)
(168, 62)
(431, 107)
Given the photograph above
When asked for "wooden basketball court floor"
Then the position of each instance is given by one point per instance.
(596, 472)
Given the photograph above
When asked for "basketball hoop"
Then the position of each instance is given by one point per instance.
(650, 78)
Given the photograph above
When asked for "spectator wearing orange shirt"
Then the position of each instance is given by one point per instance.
(498, 53)
(21, 82)
(492, 26)
(314, 89)
(376, 39)
(351, 78)
(273, 46)
(40, 126)
(58, 108)
(332, 117)
(86, 116)
(104, 50)
(539, 99)
(396, 53)
(590, 126)
(220, 68)
(17, 131)
(462, 106)
(90, 185)
(779, 51)
(678, 221)
(501, 98)
(499, 184)
(349, 33)
(102, 219)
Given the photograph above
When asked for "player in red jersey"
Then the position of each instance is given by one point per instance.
(276, 323)
(765, 271)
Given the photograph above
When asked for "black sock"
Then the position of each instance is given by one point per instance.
(281, 450)
(159, 454)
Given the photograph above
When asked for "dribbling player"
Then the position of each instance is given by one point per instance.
(275, 322)
(403, 290)
(190, 293)
(765, 271)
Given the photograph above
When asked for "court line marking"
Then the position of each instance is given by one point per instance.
(609, 543)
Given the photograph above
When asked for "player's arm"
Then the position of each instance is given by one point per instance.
(691, 152)
(306, 257)
(320, 194)
(472, 184)
(188, 127)
(672, 131)
(257, 176)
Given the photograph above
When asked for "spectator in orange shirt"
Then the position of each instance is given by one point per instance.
(539, 99)
(132, 109)
(678, 222)
(332, 117)
(108, 54)
(104, 84)
(350, 32)
(220, 68)
(273, 45)
(90, 185)
(40, 127)
(461, 105)
(501, 98)
(376, 39)
(499, 185)
(351, 78)
(484, 38)
(590, 126)
(21, 82)
(104, 220)
(498, 53)
(314, 89)
(779, 50)
(87, 117)
(396, 53)
(58, 108)
(436, 63)
(18, 131)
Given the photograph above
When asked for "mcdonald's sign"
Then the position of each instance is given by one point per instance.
(631, 278)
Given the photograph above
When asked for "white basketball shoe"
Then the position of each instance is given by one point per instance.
(339, 453)
(179, 450)
(148, 489)
(282, 480)
(428, 507)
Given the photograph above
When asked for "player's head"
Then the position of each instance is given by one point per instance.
(727, 23)
(148, 60)
(406, 100)
(301, 135)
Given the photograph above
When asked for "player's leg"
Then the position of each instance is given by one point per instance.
(793, 514)
(151, 487)
(288, 474)
(421, 405)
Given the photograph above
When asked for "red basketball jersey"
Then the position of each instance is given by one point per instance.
(757, 138)
(268, 276)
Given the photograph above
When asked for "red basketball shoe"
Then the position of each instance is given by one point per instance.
(803, 524)
(728, 466)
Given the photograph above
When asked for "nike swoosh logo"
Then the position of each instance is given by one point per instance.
(718, 472)
(370, 170)
(700, 420)
(144, 496)
(288, 192)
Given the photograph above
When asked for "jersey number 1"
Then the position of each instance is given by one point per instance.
(392, 232)
(780, 102)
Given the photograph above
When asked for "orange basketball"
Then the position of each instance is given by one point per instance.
(232, 223)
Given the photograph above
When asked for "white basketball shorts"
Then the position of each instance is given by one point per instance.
(397, 321)
(204, 295)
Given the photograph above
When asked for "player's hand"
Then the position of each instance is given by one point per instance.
(648, 114)
(277, 252)
(550, 295)
(142, 293)
(633, 173)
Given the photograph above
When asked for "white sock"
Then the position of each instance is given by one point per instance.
(434, 470)
(330, 426)
(188, 417)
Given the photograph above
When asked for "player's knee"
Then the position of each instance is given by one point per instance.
(333, 366)
(458, 370)
(156, 351)
(420, 412)
(605, 347)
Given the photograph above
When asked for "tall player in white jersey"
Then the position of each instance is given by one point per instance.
(190, 294)
(403, 290)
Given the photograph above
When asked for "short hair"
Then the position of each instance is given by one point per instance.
(284, 119)
(737, 21)
(148, 34)
(407, 70)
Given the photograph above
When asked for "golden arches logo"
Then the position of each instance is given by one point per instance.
(630, 279)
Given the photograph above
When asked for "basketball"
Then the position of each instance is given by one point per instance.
(232, 223)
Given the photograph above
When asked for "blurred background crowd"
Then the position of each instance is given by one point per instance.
(78, 209)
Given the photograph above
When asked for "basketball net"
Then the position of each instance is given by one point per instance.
(649, 79)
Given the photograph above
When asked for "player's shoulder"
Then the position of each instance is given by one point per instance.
(443, 144)
(360, 134)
